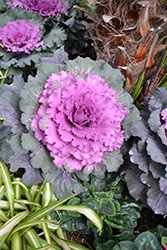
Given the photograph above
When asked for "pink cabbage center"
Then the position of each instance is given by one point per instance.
(20, 36)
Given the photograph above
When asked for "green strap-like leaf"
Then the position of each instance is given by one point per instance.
(2, 190)
(88, 212)
(5, 205)
(8, 186)
(25, 188)
(10, 224)
(60, 242)
(17, 189)
(3, 216)
(16, 241)
(47, 197)
(40, 213)
(33, 238)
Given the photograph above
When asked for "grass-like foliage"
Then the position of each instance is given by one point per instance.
(25, 220)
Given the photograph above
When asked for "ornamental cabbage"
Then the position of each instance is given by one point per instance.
(20, 36)
(46, 8)
(78, 119)
(69, 121)
(146, 174)
(25, 41)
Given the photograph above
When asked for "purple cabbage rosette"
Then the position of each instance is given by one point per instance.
(146, 175)
(46, 8)
(69, 121)
(24, 40)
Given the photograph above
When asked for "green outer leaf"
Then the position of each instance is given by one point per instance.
(8, 186)
(16, 242)
(10, 224)
(88, 212)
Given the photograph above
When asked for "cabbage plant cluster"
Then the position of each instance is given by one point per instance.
(146, 175)
(46, 8)
(24, 39)
(69, 121)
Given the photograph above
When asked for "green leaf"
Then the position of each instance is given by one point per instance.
(23, 225)
(107, 207)
(138, 88)
(74, 246)
(10, 224)
(55, 38)
(164, 240)
(8, 186)
(88, 212)
(74, 201)
(47, 197)
(16, 241)
(147, 240)
(125, 236)
(33, 238)
(24, 187)
(3, 216)
(40, 213)
(126, 245)
(5, 205)
(2, 189)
